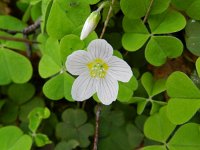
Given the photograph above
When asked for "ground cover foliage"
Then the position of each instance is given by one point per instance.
(158, 109)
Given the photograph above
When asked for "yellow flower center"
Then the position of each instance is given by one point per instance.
(97, 68)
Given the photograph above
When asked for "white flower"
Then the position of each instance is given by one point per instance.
(99, 72)
(90, 24)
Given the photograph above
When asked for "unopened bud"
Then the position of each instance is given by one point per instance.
(90, 24)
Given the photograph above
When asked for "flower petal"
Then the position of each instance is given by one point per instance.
(99, 48)
(83, 87)
(77, 62)
(107, 90)
(119, 69)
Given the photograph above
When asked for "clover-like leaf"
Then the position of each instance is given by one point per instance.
(36, 116)
(41, 139)
(11, 23)
(167, 22)
(51, 63)
(17, 94)
(12, 138)
(76, 10)
(63, 24)
(69, 44)
(198, 66)
(9, 111)
(184, 98)
(136, 34)
(126, 90)
(160, 123)
(193, 36)
(74, 126)
(191, 7)
(26, 108)
(113, 127)
(187, 136)
(153, 87)
(155, 147)
(63, 145)
(14, 67)
(138, 8)
(159, 48)
(59, 87)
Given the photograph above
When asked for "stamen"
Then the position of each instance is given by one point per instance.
(97, 68)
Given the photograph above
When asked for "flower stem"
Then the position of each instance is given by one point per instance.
(96, 135)
(107, 19)
(148, 11)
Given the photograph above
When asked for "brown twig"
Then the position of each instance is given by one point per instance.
(18, 39)
(96, 135)
(10, 31)
(30, 29)
(148, 11)
(107, 19)
(26, 31)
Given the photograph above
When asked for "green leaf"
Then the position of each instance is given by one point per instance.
(63, 145)
(187, 136)
(167, 22)
(63, 24)
(69, 44)
(158, 127)
(41, 140)
(179, 85)
(2, 102)
(193, 36)
(16, 45)
(50, 64)
(14, 67)
(9, 112)
(155, 147)
(180, 110)
(36, 11)
(182, 4)
(126, 90)
(11, 23)
(12, 138)
(185, 98)
(26, 108)
(45, 12)
(74, 126)
(160, 48)
(113, 127)
(58, 87)
(152, 86)
(33, 2)
(136, 34)
(191, 7)
(137, 8)
(74, 117)
(134, 133)
(198, 66)
(76, 10)
(36, 116)
(17, 93)
(193, 10)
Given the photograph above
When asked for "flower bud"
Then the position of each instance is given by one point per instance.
(90, 24)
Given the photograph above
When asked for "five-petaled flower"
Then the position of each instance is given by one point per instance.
(99, 72)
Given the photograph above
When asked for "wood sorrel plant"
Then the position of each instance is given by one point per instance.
(156, 41)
